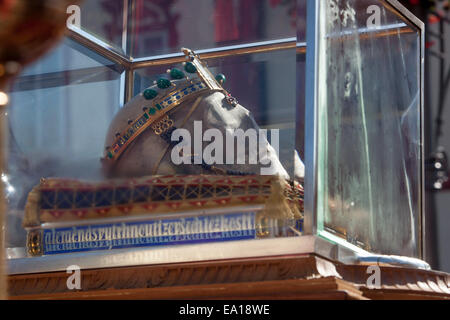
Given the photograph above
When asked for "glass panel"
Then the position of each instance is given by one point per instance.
(161, 27)
(60, 110)
(69, 56)
(369, 151)
(104, 20)
(264, 83)
(59, 121)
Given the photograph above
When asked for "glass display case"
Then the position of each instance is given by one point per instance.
(334, 89)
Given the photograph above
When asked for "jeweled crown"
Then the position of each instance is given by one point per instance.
(160, 104)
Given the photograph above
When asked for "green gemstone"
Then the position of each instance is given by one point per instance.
(152, 111)
(150, 94)
(158, 106)
(189, 67)
(110, 155)
(221, 78)
(163, 83)
(176, 73)
(146, 116)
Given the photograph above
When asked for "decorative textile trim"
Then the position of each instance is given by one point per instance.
(57, 200)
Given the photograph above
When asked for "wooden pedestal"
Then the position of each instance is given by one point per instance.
(280, 277)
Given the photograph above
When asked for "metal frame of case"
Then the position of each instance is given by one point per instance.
(131, 64)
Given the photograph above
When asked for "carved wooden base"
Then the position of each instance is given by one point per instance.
(287, 277)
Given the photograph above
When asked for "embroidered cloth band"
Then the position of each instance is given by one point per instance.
(150, 114)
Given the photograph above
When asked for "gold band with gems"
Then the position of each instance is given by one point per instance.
(162, 125)
(158, 109)
(161, 106)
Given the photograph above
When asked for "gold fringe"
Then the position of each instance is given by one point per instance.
(276, 205)
(31, 218)
(295, 211)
